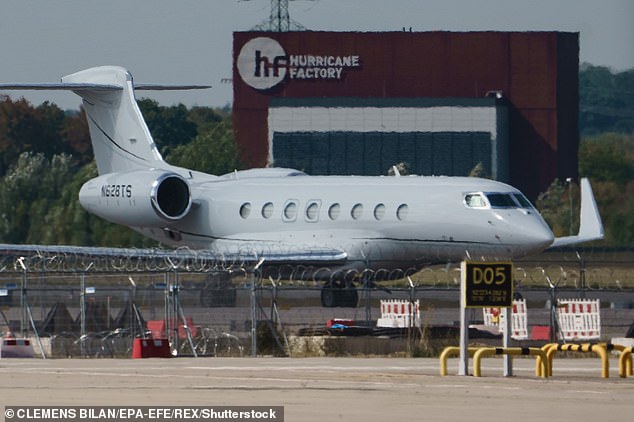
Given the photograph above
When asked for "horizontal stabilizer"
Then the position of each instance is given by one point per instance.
(157, 87)
(60, 87)
(590, 225)
(96, 87)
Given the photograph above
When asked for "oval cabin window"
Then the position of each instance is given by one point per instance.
(267, 210)
(402, 211)
(245, 210)
(290, 211)
(357, 211)
(379, 211)
(334, 211)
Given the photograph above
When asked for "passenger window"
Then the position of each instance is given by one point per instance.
(312, 211)
(379, 211)
(267, 210)
(357, 211)
(402, 211)
(290, 211)
(333, 211)
(245, 210)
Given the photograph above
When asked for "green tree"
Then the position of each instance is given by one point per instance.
(75, 134)
(169, 126)
(606, 100)
(211, 152)
(205, 118)
(608, 158)
(27, 128)
(554, 206)
(27, 192)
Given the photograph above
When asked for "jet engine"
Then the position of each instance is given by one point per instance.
(140, 198)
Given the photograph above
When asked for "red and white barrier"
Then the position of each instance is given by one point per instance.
(399, 314)
(493, 317)
(579, 319)
(11, 347)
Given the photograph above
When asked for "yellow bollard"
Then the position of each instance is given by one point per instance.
(539, 366)
(625, 362)
(452, 351)
(599, 349)
(487, 351)
(605, 361)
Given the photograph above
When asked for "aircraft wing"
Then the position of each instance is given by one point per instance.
(277, 256)
(590, 226)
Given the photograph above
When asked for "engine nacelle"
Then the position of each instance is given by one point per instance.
(140, 198)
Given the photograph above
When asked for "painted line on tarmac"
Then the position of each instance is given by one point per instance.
(304, 382)
(320, 368)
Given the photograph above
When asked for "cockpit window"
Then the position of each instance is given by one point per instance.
(496, 200)
(525, 203)
(501, 200)
(475, 200)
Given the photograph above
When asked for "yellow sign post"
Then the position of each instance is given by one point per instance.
(484, 285)
(487, 284)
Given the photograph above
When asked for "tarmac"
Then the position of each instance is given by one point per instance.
(328, 389)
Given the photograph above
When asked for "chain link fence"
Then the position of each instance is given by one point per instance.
(79, 306)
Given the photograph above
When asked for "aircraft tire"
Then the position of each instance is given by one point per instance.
(329, 296)
(349, 298)
(333, 295)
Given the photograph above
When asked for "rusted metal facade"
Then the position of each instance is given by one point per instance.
(537, 73)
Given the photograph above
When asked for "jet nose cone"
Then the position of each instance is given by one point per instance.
(523, 233)
(535, 235)
(543, 238)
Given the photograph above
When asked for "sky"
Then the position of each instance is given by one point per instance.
(190, 41)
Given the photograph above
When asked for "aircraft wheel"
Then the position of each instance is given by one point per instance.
(329, 296)
(348, 298)
(334, 295)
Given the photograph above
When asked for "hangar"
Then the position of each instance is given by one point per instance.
(443, 102)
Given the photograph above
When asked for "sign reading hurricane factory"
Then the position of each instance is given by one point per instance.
(263, 63)
(487, 284)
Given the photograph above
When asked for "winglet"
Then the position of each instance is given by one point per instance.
(590, 227)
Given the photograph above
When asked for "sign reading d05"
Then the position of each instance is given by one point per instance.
(487, 284)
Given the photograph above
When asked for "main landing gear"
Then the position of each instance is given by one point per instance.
(339, 294)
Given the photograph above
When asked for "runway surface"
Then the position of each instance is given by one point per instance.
(327, 389)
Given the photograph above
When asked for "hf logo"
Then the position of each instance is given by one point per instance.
(262, 63)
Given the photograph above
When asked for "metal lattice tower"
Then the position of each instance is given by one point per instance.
(279, 19)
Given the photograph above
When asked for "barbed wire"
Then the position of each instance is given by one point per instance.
(122, 260)
(567, 273)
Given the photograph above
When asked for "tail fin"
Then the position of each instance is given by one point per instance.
(590, 225)
(120, 138)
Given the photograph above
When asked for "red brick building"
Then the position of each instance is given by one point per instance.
(515, 94)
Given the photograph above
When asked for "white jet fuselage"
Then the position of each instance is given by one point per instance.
(377, 222)
(283, 219)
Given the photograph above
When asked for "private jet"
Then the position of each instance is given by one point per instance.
(335, 229)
